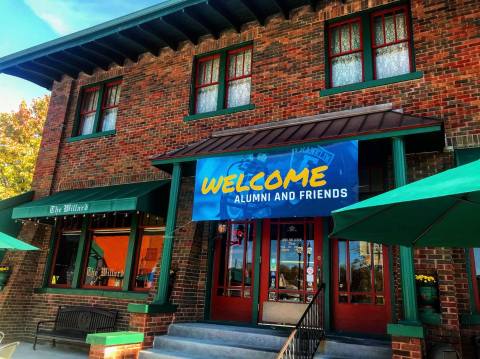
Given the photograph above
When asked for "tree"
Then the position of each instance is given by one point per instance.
(20, 137)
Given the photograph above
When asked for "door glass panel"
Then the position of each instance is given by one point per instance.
(360, 267)
(291, 257)
(273, 257)
(235, 269)
(378, 266)
(342, 266)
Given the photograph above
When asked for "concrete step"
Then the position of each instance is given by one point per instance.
(166, 354)
(202, 348)
(352, 347)
(259, 338)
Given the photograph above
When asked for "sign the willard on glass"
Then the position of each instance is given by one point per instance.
(305, 181)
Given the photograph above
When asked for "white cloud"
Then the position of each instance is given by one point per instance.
(67, 16)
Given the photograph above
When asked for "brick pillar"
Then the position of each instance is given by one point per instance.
(51, 138)
(126, 351)
(407, 348)
(150, 325)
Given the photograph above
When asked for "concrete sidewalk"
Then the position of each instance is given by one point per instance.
(46, 351)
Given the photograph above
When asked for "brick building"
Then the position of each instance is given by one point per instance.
(137, 102)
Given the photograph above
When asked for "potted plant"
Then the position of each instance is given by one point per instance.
(5, 272)
(427, 292)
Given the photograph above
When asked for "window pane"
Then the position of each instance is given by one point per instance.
(378, 266)
(235, 256)
(378, 24)
(149, 255)
(400, 23)
(356, 36)
(273, 255)
(360, 267)
(89, 102)
(310, 257)
(291, 297)
(392, 60)
(291, 257)
(345, 38)
(86, 124)
(476, 254)
(342, 266)
(389, 28)
(361, 298)
(106, 260)
(239, 92)
(335, 41)
(64, 265)
(207, 98)
(248, 259)
(346, 69)
(109, 118)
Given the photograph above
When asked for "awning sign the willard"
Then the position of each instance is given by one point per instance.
(304, 181)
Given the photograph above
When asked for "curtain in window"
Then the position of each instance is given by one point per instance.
(88, 110)
(239, 78)
(110, 105)
(392, 55)
(346, 56)
(207, 85)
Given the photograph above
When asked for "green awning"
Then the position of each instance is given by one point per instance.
(7, 224)
(149, 197)
(439, 211)
(8, 242)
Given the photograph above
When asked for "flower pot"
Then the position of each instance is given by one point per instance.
(4, 278)
(428, 296)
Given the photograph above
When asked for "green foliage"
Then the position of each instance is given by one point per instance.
(20, 137)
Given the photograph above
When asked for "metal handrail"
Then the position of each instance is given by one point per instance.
(303, 341)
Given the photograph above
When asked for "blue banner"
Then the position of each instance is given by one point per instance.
(307, 181)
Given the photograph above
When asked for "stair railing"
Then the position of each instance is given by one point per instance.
(303, 341)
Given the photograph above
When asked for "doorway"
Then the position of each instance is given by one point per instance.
(361, 287)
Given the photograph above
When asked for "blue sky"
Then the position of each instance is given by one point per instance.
(25, 23)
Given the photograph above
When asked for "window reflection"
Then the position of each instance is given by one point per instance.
(149, 254)
(64, 265)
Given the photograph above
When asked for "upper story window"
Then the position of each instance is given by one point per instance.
(371, 46)
(223, 80)
(98, 108)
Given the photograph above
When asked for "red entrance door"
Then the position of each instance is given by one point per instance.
(233, 273)
(361, 287)
(290, 268)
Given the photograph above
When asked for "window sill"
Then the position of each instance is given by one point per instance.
(373, 83)
(93, 292)
(92, 135)
(225, 111)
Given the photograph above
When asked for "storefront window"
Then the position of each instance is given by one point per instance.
(106, 260)
(150, 250)
(475, 269)
(63, 264)
(291, 262)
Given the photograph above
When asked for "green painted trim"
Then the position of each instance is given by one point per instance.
(209, 280)
(17, 200)
(372, 83)
(393, 299)
(326, 269)
(431, 318)
(367, 49)
(405, 330)
(151, 308)
(129, 265)
(93, 292)
(164, 277)
(225, 111)
(92, 135)
(48, 264)
(471, 289)
(367, 137)
(115, 338)
(256, 276)
(77, 274)
(409, 290)
(470, 319)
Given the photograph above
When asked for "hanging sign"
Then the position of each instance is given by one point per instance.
(307, 181)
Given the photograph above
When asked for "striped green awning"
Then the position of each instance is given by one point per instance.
(149, 197)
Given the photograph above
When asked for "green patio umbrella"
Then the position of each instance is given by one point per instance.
(9, 242)
(441, 211)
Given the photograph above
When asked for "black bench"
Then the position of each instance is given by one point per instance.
(72, 324)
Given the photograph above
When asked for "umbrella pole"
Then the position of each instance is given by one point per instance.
(409, 292)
